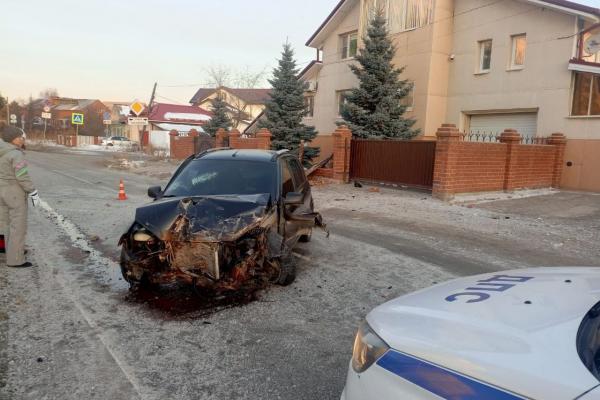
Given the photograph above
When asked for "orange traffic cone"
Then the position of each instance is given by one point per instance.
(122, 195)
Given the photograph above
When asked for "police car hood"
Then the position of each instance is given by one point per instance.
(515, 329)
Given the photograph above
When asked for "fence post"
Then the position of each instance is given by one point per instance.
(560, 142)
(264, 136)
(221, 135)
(342, 138)
(301, 151)
(511, 138)
(234, 138)
(446, 151)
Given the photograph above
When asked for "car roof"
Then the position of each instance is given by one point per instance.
(521, 337)
(241, 155)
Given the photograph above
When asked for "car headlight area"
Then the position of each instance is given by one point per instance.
(368, 348)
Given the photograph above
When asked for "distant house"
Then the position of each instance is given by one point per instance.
(63, 108)
(119, 114)
(164, 118)
(244, 104)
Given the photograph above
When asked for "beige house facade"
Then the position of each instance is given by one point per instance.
(483, 65)
(244, 105)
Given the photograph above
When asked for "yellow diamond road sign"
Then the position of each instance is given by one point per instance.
(137, 108)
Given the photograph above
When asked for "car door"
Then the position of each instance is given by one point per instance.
(287, 226)
(298, 217)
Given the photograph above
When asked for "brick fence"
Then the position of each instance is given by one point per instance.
(183, 146)
(470, 167)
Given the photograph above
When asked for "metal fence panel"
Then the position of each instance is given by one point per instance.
(399, 162)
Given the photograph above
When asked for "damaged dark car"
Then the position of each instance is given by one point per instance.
(226, 219)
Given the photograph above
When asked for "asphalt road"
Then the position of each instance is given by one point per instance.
(71, 329)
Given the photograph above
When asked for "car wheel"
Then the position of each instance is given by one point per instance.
(287, 270)
(110, 144)
(306, 238)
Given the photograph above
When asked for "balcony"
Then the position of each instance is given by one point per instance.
(588, 51)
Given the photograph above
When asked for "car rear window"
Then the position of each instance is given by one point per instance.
(224, 177)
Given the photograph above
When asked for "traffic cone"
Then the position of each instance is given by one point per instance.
(122, 195)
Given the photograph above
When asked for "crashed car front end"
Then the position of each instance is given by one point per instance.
(218, 242)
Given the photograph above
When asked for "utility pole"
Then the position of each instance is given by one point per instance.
(149, 108)
(7, 112)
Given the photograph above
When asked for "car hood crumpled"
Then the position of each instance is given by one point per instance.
(208, 217)
(521, 338)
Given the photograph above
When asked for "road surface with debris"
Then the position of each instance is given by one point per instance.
(70, 328)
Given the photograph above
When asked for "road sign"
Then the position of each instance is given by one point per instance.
(77, 119)
(137, 108)
(13, 119)
(46, 109)
(137, 121)
(107, 122)
(47, 115)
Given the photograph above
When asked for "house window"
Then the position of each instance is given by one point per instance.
(309, 106)
(342, 100)
(485, 55)
(349, 45)
(409, 100)
(517, 57)
(402, 15)
(586, 94)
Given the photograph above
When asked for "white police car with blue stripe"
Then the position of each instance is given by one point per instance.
(524, 334)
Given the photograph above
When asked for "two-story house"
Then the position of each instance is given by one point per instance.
(244, 105)
(484, 65)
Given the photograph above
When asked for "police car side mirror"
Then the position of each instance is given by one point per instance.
(155, 192)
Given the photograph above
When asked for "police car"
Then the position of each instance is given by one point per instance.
(524, 334)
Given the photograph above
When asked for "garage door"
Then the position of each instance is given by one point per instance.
(524, 123)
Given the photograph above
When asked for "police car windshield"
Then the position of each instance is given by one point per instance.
(223, 177)
(588, 341)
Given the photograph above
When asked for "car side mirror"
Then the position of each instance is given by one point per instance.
(154, 192)
(293, 198)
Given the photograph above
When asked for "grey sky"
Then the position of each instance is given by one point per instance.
(116, 50)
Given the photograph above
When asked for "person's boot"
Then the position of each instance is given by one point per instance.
(24, 265)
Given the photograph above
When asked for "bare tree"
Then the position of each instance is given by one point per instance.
(48, 93)
(242, 78)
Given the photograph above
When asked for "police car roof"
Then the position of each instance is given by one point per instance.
(242, 155)
(513, 329)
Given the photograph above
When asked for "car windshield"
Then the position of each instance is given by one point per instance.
(588, 341)
(223, 177)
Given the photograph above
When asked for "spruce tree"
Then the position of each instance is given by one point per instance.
(220, 118)
(374, 108)
(285, 109)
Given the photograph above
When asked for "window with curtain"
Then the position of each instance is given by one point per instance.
(586, 94)
(402, 15)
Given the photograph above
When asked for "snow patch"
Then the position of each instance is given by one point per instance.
(186, 117)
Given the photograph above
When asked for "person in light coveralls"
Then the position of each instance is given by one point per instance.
(16, 189)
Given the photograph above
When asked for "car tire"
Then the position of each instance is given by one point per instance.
(287, 271)
(306, 238)
(110, 144)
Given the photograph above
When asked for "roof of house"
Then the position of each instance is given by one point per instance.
(250, 96)
(309, 67)
(74, 104)
(175, 113)
(560, 4)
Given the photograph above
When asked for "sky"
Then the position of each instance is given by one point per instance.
(114, 50)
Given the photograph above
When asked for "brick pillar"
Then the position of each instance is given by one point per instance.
(560, 142)
(342, 138)
(220, 135)
(446, 151)
(264, 139)
(173, 136)
(193, 133)
(511, 138)
(234, 138)
(301, 151)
